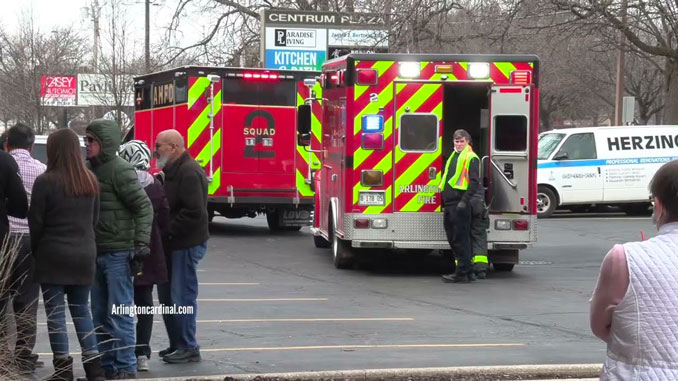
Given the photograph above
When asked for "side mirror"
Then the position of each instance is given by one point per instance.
(304, 125)
(561, 156)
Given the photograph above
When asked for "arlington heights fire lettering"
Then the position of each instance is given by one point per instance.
(628, 143)
(417, 188)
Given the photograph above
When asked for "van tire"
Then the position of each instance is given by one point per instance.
(640, 209)
(547, 201)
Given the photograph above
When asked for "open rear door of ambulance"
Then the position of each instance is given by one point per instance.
(509, 160)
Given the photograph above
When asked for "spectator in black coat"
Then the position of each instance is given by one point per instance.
(64, 210)
(153, 271)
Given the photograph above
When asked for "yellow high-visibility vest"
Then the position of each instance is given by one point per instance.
(460, 180)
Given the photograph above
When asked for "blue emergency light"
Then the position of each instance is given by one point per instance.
(373, 123)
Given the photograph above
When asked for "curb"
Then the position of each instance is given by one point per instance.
(471, 373)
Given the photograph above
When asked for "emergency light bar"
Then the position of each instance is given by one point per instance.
(409, 70)
(521, 77)
(373, 123)
(259, 76)
(479, 70)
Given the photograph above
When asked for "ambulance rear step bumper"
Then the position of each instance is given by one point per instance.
(431, 245)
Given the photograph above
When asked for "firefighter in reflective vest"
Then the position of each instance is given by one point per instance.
(460, 188)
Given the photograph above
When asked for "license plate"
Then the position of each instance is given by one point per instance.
(371, 198)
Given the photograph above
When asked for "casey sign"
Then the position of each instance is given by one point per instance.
(58, 90)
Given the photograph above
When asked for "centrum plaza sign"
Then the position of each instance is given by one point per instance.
(304, 40)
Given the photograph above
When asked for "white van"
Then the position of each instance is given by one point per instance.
(583, 167)
(39, 151)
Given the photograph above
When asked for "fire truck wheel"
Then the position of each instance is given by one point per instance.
(503, 267)
(273, 221)
(546, 202)
(210, 214)
(320, 242)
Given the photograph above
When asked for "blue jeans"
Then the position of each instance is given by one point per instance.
(113, 285)
(55, 309)
(184, 292)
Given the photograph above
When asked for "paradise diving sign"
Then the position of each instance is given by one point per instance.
(308, 60)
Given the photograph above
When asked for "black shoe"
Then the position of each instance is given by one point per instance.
(121, 376)
(166, 351)
(63, 370)
(183, 356)
(481, 275)
(456, 278)
(93, 369)
(27, 364)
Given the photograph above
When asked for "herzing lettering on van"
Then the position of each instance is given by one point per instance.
(419, 189)
(627, 143)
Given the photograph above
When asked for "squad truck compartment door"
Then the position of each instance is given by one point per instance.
(509, 148)
(417, 159)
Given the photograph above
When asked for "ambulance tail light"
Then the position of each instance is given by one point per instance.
(521, 77)
(502, 225)
(367, 77)
(520, 225)
(361, 223)
(379, 223)
(372, 141)
(372, 178)
(409, 70)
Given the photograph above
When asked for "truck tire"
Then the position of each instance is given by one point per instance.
(546, 202)
(210, 214)
(503, 267)
(273, 221)
(341, 249)
(320, 242)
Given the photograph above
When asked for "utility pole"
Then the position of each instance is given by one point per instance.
(619, 98)
(95, 19)
(148, 36)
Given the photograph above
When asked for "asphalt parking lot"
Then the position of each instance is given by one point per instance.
(274, 303)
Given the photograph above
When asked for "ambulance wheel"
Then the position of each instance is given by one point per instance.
(320, 242)
(503, 267)
(341, 249)
(546, 202)
(210, 214)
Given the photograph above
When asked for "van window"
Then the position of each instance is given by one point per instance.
(39, 152)
(578, 147)
(510, 132)
(547, 144)
(419, 132)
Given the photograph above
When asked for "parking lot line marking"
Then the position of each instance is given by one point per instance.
(301, 320)
(229, 284)
(266, 300)
(367, 346)
(349, 347)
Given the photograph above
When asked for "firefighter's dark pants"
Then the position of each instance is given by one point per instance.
(457, 223)
(480, 222)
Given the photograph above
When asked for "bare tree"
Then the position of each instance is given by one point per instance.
(650, 27)
(27, 55)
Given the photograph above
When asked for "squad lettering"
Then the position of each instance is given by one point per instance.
(251, 131)
(630, 143)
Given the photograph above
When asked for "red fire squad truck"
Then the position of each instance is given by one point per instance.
(239, 124)
(387, 131)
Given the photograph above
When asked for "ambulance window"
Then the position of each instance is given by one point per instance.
(578, 147)
(180, 90)
(510, 133)
(419, 132)
(240, 91)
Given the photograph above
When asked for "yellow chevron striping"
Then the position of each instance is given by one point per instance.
(202, 121)
(197, 90)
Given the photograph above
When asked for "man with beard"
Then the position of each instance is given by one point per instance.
(185, 241)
